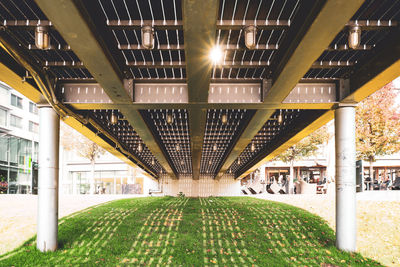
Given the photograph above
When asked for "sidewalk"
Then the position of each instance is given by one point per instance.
(378, 220)
(18, 214)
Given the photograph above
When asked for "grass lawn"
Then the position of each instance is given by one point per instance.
(191, 232)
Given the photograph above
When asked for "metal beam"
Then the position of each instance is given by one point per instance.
(87, 37)
(51, 47)
(221, 24)
(235, 93)
(11, 78)
(331, 64)
(362, 47)
(199, 38)
(280, 148)
(182, 64)
(201, 106)
(306, 118)
(44, 82)
(183, 80)
(261, 24)
(255, 124)
(317, 33)
(376, 70)
(304, 44)
(226, 47)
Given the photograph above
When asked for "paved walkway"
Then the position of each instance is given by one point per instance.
(378, 220)
(18, 214)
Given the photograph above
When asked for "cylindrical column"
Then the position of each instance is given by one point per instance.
(345, 178)
(47, 222)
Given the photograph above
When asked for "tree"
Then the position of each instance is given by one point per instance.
(73, 141)
(378, 125)
(305, 148)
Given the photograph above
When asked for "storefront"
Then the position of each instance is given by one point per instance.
(18, 165)
(106, 182)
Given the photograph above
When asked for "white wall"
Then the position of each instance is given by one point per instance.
(204, 187)
(149, 183)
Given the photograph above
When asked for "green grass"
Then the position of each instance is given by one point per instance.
(190, 232)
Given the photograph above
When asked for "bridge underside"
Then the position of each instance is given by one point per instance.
(169, 110)
(177, 113)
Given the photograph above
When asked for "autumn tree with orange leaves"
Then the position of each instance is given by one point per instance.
(307, 147)
(378, 125)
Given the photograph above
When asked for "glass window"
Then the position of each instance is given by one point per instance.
(25, 155)
(33, 127)
(3, 148)
(35, 152)
(3, 117)
(13, 149)
(16, 101)
(16, 121)
(33, 108)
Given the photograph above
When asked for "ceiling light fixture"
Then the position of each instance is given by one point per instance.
(354, 37)
(216, 55)
(215, 147)
(250, 33)
(253, 147)
(169, 118)
(280, 117)
(140, 147)
(42, 39)
(238, 161)
(113, 118)
(178, 147)
(148, 37)
(152, 161)
(224, 118)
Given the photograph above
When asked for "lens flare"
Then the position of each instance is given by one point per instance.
(216, 55)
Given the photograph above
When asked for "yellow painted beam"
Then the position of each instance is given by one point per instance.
(12, 79)
(15, 81)
(318, 123)
(328, 23)
(373, 85)
(82, 129)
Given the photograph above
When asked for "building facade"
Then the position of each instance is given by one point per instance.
(111, 175)
(19, 145)
(19, 128)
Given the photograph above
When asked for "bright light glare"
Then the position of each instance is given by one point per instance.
(396, 83)
(216, 55)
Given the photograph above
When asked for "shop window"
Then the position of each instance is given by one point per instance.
(4, 149)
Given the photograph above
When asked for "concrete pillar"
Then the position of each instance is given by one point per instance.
(47, 222)
(345, 178)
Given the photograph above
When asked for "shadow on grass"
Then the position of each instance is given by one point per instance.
(191, 231)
